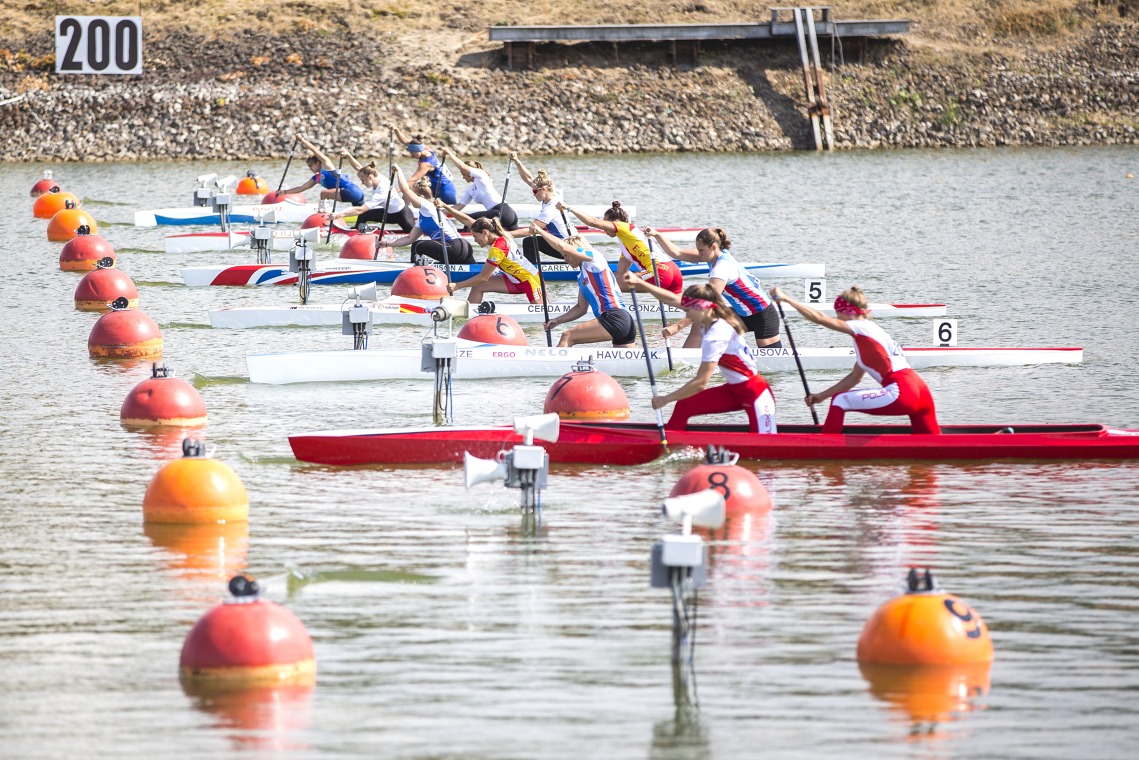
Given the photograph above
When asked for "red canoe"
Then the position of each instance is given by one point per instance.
(623, 443)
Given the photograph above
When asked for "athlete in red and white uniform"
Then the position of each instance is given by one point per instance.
(877, 355)
(722, 347)
(506, 270)
(637, 253)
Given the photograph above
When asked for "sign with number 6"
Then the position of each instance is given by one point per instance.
(945, 332)
(98, 44)
(816, 291)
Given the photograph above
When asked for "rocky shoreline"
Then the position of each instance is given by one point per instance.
(257, 92)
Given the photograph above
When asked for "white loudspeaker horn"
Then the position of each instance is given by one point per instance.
(366, 292)
(459, 308)
(226, 182)
(544, 427)
(311, 234)
(477, 470)
(206, 179)
(704, 508)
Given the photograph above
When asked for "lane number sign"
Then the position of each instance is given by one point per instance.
(98, 44)
(815, 291)
(945, 332)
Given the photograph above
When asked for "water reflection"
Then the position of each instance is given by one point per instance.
(683, 735)
(257, 718)
(202, 553)
(163, 443)
(926, 697)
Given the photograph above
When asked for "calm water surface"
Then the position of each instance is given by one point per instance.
(447, 625)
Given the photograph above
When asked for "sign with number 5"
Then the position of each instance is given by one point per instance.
(98, 44)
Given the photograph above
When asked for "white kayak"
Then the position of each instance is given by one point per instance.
(352, 272)
(282, 239)
(410, 311)
(481, 360)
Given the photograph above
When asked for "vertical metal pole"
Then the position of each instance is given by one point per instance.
(811, 105)
(823, 108)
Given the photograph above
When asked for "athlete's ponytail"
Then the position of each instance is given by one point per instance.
(714, 236)
(616, 214)
(490, 224)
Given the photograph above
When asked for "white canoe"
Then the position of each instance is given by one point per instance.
(282, 240)
(409, 311)
(480, 360)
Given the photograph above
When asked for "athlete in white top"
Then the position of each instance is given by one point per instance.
(481, 190)
(376, 191)
(549, 218)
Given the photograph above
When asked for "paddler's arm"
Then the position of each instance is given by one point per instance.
(631, 280)
(576, 312)
(325, 161)
(523, 172)
(670, 247)
(842, 386)
(407, 239)
(608, 228)
(351, 159)
(689, 389)
(409, 195)
(400, 135)
(813, 315)
(354, 211)
(537, 227)
(467, 220)
(484, 274)
(457, 162)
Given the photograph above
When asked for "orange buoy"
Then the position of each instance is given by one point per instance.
(423, 282)
(248, 641)
(360, 247)
(203, 551)
(491, 328)
(124, 333)
(163, 400)
(100, 287)
(924, 626)
(45, 185)
(66, 223)
(84, 252)
(586, 394)
(251, 184)
(50, 204)
(741, 489)
(930, 693)
(195, 489)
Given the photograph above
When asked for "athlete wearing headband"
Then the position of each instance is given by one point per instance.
(442, 183)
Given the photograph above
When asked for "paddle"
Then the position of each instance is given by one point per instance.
(391, 148)
(542, 285)
(335, 198)
(795, 351)
(384, 218)
(663, 316)
(286, 172)
(506, 184)
(443, 241)
(649, 365)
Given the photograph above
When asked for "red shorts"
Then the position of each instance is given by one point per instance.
(670, 278)
(523, 288)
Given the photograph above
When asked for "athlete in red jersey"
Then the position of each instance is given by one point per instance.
(875, 354)
(505, 270)
(723, 347)
(656, 267)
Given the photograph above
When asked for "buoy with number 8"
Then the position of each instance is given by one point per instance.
(422, 282)
(494, 328)
(925, 626)
(741, 489)
(586, 393)
(247, 641)
(195, 489)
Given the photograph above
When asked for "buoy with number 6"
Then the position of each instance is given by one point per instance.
(586, 393)
(195, 489)
(925, 626)
(84, 252)
(99, 288)
(163, 400)
(422, 282)
(50, 204)
(248, 641)
(742, 490)
(500, 329)
(124, 333)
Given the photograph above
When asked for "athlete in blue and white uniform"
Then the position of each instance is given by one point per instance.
(324, 174)
(442, 182)
(458, 249)
(597, 291)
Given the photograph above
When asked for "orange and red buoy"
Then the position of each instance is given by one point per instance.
(587, 394)
(251, 184)
(499, 329)
(420, 282)
(362, 247)
(925, 626)
(67, 222)
(50, 204)
(274, 197)
(195, 489)
(742, 490)
(45, 185)
(99, 288)
(163, 400)
(84, 252)
(124, 333)
(248, 641)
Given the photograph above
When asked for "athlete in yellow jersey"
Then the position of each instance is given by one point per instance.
(506, 270)
(635, 249)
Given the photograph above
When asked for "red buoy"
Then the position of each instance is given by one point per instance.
(50, 204)
(99, 288)
(45, 185)
(251, 184)
(274, 197)
(360, 247)
(492, 328)
(587, 394)
(248, 641)
(163, 400)
(319, 219)
(84, 252)
(421, 282)
(125, 334)
(66, 223)
(741, 489)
